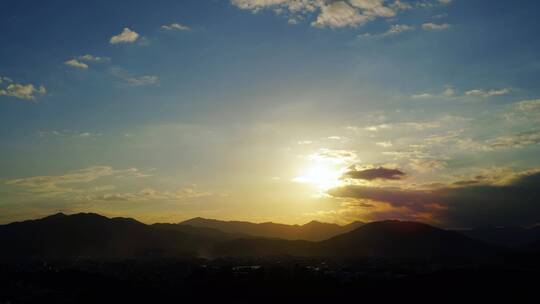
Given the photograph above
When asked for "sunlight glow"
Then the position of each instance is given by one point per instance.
(322, 175)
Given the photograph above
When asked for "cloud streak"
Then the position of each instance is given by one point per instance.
(175, 27)
(55, 185)
(435, 27)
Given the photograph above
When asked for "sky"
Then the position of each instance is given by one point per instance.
(272, 110)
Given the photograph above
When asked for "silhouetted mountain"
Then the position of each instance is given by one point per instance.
(403, 239)
(93, 236)
(390, 239)
(312, 231)
(505, 236)
(209, 233)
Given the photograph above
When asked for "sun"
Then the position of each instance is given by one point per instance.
(321, 175)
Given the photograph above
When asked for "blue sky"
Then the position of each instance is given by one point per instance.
(254, 109)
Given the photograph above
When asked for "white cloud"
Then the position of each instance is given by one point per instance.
(92, 58)
(398, 28)
(384, 144)
(256, 5)
(435, 26)
(373, 7)
(175, 26)
(22, 91)
(76, 64)
(401, 125)
(142, 80)
(450, 92)
(524, 111)
(528, 105)
(5, 79)
(394, 29)
(132, 80)
(400, 6)
(127, 36)
(378, 127)
(422, 96)
(432, 3)
(340, 14)
(487, 94)
(81, 62)
(328, 13)
(69, 134)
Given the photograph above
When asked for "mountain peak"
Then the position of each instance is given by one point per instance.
(56, 215)
(315, 223)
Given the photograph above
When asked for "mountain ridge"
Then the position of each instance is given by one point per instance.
(312, 231)
(91, 235)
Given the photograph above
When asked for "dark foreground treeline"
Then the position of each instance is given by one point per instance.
(270, 280)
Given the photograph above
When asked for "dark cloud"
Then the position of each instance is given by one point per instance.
(469, 205)
(375, 173)
(466, 182)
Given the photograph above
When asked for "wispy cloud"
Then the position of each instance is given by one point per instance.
(86, 185)
(488, 93)
(528, 105)
(82, 62)
(408, 125)
(384, 144)
(333, 155)
(435, 26)
(76, 64)
(142, 80)
(394, 29)
(422, 96)
(55, 185)
(92, 58)
(451, 92)
(70, 134)
(175, 27)
(150, 194)
(134, 80)
(5, 79)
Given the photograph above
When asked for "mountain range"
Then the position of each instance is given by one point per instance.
(88, 235)
(312, 231)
